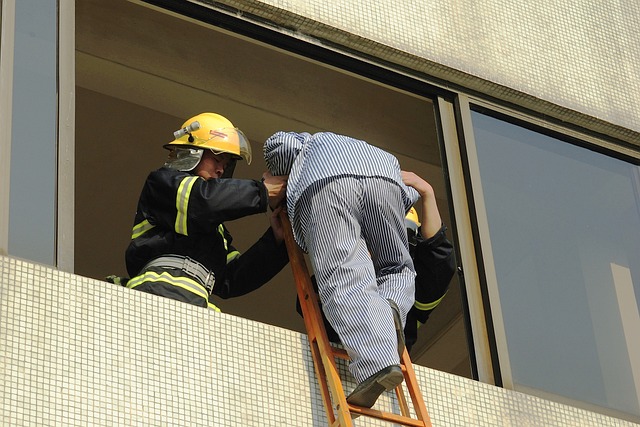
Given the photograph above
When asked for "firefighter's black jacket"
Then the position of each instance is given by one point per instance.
(182, 214)
(435, 265)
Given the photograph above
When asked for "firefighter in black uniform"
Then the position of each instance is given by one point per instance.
(433, 259)
(180, 247)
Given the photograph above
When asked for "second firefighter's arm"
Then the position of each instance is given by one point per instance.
(249, 271)
(433, 256)
(431, 220)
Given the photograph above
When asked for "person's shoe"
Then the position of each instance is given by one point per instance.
(368, 391)
(397, 322)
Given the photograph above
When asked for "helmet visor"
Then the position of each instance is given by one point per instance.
(227, 140)
(183, 159)
(411, 225)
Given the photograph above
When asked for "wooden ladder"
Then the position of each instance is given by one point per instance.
(325, 355)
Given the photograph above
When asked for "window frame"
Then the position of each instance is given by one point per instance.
(64, 138)
(65, 196)
(7, 36)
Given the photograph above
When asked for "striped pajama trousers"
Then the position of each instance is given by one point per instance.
(356, 239)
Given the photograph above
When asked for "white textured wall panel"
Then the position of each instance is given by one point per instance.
(575, 60)
(79, 352)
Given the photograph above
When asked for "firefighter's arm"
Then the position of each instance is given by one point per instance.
(254, 268)
(435, 265)
(431, 220)
(190, 203)
(216, 201)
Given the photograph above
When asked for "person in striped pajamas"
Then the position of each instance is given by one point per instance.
(347, 202)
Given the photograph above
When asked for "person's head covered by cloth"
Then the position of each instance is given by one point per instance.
(281, 151)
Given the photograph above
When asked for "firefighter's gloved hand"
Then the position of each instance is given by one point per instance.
(117, 280)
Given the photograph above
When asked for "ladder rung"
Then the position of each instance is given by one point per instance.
(387, 416)
(340, 353)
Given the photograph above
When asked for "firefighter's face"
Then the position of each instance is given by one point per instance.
(212, 165)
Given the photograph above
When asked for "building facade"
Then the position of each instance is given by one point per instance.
(524, 118)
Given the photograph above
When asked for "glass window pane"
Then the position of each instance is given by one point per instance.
(33, 144)
(564, 223)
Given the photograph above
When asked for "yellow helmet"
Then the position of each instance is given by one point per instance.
(411, 220)
(214, 132)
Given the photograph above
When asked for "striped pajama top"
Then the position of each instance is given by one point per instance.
(308, 158)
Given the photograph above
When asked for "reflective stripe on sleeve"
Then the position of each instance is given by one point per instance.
(182, 203)
(212, 306)
(232, 255)
(428, 306)
(224, 239)
(181, 282)
(140, 229)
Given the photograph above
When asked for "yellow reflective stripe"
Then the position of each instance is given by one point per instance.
(232, 255)
(181, 282)
(182, 203)
(428, 306)
(212, 306)
(140, 229)
(224, 240)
